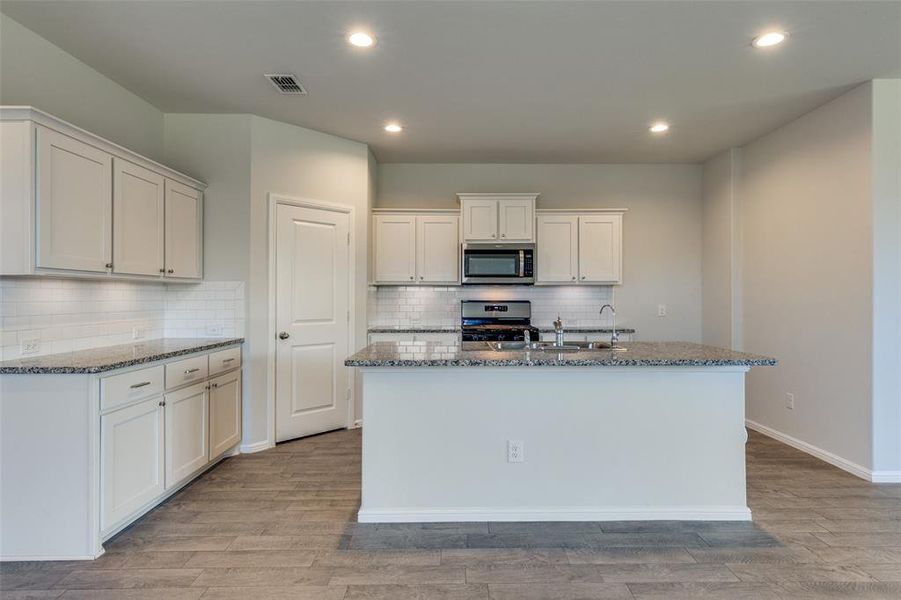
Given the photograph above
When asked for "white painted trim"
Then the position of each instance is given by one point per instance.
(29, 113)
(416, 211)
(357, 424)
(824, 455)
(555, 513)
(274, 199)
(566, 211)
(41, 557)
(256, 447)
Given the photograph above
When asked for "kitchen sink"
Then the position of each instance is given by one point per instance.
(550, 347)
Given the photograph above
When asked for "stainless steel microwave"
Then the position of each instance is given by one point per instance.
(498, 264)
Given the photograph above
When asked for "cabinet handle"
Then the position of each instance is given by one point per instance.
(583, 277)
(194, 370)
(139, 385)
(503, 235)
(163, 403)
(162, 270)
(225, 360)
(421, 277)
(109, 265)
(493, 235)
(170, 271)
(411, 278)
(574, 277)
(214, 385)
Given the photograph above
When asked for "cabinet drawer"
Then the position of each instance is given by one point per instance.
(189, 370)
(225, 360)
(122, 389)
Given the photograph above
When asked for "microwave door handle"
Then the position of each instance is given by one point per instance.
(522, 263)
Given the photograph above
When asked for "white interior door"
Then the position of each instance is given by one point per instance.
(312, 319)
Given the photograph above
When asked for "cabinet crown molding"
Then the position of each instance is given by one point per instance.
(416, 211)
(30, 113)
(533, 195)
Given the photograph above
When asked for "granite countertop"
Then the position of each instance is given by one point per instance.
(586, 329)
(424, 329)
(98, 360)
(477, 354)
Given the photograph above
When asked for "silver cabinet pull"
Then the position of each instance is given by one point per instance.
(162, 270)
(170, 271)
(109, 265)
(225, 360)
(163, 403)
(194, 370)
(214, 385)
(411, 278)
(139, 385)
(583, 277)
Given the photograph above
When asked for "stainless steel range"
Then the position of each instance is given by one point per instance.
(486, 321)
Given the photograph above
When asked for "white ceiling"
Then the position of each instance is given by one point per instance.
(490, 81)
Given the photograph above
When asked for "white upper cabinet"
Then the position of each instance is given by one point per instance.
(479, 220)
(137, 219)
(184, 231)
(498, 217)
(600, 248)
(558, 249)
(394, 242)
(580, 247)
(413, 249)
(74, 204)
(516, 219)
(438, 249)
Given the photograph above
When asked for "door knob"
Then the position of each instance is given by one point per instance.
(284, 335)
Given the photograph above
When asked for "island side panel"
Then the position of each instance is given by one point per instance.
(48, 429)
(599, 444)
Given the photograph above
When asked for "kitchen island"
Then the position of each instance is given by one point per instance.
(470, 433)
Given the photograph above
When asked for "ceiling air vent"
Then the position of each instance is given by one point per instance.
(286, 83)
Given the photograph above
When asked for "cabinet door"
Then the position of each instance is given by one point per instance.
(557, 249)
(74, 204)
(395, 249)
(479, 220)
(438, 249)
(516, 219)
(184, 232)
(600, 249)
(138, 200)
(225, 412)
(187, 432)
(131, 470)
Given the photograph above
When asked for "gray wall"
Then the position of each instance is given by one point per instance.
(661, 230)
(37, 73)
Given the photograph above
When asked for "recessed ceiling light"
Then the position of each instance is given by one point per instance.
(361, 39)
(770, 38)
(393, 128)
(659, 127)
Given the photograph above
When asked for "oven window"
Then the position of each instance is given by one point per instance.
(492, 265)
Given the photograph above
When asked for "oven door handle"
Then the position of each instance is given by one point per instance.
(522, 263)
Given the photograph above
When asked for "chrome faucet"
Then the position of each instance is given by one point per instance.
(527, 337)
(614, 339)
(558, 331)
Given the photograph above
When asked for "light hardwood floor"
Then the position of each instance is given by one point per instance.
(280, 524)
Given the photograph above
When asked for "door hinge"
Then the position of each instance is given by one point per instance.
(348, 238)
(348, 316)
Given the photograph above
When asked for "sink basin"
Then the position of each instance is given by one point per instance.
(534, 347)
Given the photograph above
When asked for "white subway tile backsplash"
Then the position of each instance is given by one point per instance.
(440, 306)
(66, 315)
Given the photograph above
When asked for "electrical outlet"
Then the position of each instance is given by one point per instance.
(515, 451)
(214, 329)
(789, 401)
(30, 346)
(661, 310)
(138, 333)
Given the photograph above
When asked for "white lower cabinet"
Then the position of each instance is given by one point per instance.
(151, 442)
(225, 413)
(187, 432)
(132, 473)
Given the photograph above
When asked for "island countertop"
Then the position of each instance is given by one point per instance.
(478, 354)
(98, 360)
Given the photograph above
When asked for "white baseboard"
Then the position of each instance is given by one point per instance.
(826, 456)
(555, 513)
(255, 447)
(356, 424)
(885, 476)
